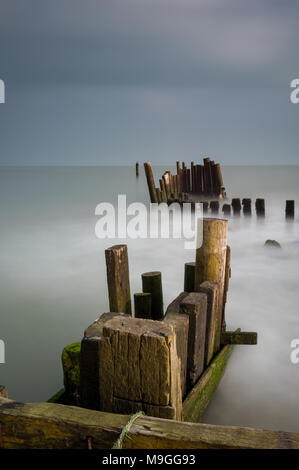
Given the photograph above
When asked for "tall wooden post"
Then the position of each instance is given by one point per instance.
(152, 284)
(118, 279)
(211, 260)
(137, 169)
(150, 182)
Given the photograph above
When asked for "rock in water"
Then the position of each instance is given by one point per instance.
(272, 243)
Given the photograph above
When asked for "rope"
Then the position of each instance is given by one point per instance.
(118, 444)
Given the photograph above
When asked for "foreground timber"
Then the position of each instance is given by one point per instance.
(53, 426)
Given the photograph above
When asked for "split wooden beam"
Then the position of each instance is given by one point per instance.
(54, 426)
(118, 279)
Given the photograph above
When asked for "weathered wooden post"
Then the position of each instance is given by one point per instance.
(150, 182)
(152, 284)
(226, 209)
(137, 169)
(236, 205)
(70, 359)
(214, 206)
(3, 391)
(290, 209)
(211, 261)
(189, 277)
(246, 202)
(90, 358)
(226, 282)
(118, 279)
(195, 306)
(212, 343)
(260, 207)
(139, 368)
(143, 305)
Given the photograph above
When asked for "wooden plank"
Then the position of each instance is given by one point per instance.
(180, 324)
(195, 306)
(200, 396)
(118, 279)
(211, 290)
(54, 426)
(242, 337)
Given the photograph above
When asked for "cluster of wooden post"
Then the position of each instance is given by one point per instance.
(151, 361)
(198, 180)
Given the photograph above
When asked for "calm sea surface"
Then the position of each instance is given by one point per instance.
(53, 282)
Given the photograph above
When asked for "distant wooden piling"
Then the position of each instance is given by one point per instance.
(211, 260)
(226, 209)
(143, 305)
(137, 169)
(118, 279)
(246, 202)
(236, 205)
(198, 180)
(189, 277)
(290, 209)
(260, 207)
(150, 182)
(214, 206)
(152, 284)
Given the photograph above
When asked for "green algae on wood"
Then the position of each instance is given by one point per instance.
(200, 396)
(71, 370)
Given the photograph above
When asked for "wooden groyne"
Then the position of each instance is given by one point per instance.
(152, 361)
(188, 184)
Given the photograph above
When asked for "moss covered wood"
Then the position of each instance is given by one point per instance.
(70, 359)
(201, 394)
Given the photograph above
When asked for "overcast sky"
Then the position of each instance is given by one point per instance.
(115, 81)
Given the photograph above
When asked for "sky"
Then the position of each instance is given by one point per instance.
(112, 82)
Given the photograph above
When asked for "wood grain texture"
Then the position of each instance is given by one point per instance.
(118, 279)
(211, 260)
(54, 426)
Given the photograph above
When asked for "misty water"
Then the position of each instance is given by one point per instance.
(53, 282)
